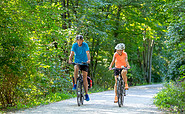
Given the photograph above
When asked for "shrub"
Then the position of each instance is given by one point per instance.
(172, 97)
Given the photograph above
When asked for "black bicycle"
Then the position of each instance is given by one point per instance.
(80, 91)
(121, 92)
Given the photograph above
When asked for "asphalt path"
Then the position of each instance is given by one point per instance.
(139, 100)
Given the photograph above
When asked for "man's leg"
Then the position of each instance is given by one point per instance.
(85, 85)
(85, 81)
(124, 75)
(75, 75)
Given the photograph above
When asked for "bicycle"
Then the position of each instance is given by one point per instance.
(121, 92)
(79, 85)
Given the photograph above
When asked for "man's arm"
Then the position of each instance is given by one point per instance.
(71, 56)
(88, 56)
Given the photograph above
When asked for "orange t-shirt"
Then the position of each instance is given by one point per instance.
(120, 60)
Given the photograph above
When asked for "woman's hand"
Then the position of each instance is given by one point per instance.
(70, 61)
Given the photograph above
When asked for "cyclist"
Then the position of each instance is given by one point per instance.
(81, 51)
(120, 59)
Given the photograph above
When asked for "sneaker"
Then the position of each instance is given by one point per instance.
(74, 87)
(116, 99)
(126, 86)
(87, 97)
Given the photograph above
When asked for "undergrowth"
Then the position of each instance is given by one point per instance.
(172, 97)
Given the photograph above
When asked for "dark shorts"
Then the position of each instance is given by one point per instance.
(84, 68)
(116, 72)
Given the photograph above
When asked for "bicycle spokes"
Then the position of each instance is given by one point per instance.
(80, 92)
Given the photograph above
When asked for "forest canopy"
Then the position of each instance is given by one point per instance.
(36, 37)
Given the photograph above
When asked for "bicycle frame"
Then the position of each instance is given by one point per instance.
(121, 92)
(80, 89)
(79, 86)
(120, 89)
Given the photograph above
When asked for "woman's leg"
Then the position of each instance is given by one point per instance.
(115, 89)
(124, 75)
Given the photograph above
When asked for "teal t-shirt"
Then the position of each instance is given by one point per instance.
(80, 52)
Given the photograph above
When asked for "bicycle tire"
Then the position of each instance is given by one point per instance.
(119, 92)
(78, 92)
(122, 92)
(82, 93)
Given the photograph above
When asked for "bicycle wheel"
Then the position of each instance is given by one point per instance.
(78, 91)
(82, 93)
(119, 92)
(122, 92)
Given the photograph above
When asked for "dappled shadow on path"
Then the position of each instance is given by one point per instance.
(138, 100)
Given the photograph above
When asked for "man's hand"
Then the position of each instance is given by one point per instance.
(88, 61)
(128, 67)
(71, 57)
(110, 68)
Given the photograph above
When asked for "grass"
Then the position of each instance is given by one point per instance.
(52, 97)
(96, 89)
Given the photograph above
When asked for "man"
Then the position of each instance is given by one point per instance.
(81, 51)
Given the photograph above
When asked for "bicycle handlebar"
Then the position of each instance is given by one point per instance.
(120, 68)
(82, 63)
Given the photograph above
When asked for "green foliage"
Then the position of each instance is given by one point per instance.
(134, 76)
(53, 97)
(97, 88)
(104, 78)
(16, 50)
(172, 97)
(171, 58)
(176, 45)
(30, 62)
(36, 37)
(175, 39)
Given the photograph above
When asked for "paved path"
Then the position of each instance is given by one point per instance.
(139, 100)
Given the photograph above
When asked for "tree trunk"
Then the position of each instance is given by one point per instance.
(64, 25)
(68, 15)
(147, 57)
(92, 58)
(144, 57)
(117, 22)
(150, 60)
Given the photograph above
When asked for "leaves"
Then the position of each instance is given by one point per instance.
(171, 97)
(36, 39)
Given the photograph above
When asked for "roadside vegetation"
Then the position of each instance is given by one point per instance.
(171, 98)
(36, 38)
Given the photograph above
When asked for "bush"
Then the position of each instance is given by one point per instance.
(134, 75)
(172, 97)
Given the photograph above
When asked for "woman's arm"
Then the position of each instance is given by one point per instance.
(128, 66)
(112, 63)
